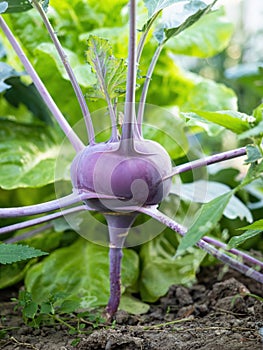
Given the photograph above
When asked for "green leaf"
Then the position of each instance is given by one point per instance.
(6, 72)
(257, 225)
(174, 22)
(159, 269)
(29, 96)
(133, 305)
(154, 6)
(111, 72)
(79, 272)
(237, 240)
(205, 38)
(28, 155)
(16, 5)
(82, 71)
(253, 154)
(10, 253)
(202, 191)
(256, 131)
(207, 218)
(232, 120)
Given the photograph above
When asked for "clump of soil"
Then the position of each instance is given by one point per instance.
(215, 313)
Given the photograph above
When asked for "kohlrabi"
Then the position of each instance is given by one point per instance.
(126, 174)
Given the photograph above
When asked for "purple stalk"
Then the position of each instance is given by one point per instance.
(73, 80)
(119, 225)
(129, 113)
(43, 207)
(236, 252)
(71, 135)
(29, 234)
(146, 86)
(226, 259)
(216, 158)
(40, 220)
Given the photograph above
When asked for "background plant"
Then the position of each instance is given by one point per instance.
(198, 116)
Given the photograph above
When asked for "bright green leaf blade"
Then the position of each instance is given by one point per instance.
(79, 272)
(207, 218)
(232, 120)
(237, 240)
(202, 191)
(133, 305)
(111, 72)
(257, 225)
(16, 5)
(28, 155)
(11, 253)
(205, 38)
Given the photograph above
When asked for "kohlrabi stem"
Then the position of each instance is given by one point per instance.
(40, 220)
(118, 225)
(129, 112)
(146, 86)
(72, 77)
(29, 234)
(47, 206)
(226, 259)
(144, 36)
(71, 135)
(115, 256)
(220, 157)
(234, 251)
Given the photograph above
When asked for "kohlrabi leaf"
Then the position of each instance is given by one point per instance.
(28, 155)
(79, 272)
(111, 72)
(218, 97)
(6, 72)
(253, 154)
(154, 6)
(257, 225)
(176, 20)
(232, 120)
(82, 71)
(159, 269)
(11, 253)
(256, 131)
(237, 240)
(15, 6)
(206, 219)
(29, 96)
(202, 191)
(205, 38)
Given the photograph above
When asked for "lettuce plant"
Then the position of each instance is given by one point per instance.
(128, 174)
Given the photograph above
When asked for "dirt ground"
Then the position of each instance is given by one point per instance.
(215, 314)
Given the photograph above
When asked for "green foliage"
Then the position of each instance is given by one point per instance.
(205, 38)
(83, 275)
(160, 269)
(111, 72)
(28, 155)
(206, 219)
(10, 6)
(10, 253)
(6, 72)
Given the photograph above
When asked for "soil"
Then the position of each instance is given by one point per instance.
(214, 314)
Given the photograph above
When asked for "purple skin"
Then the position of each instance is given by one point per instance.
(134, 177)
